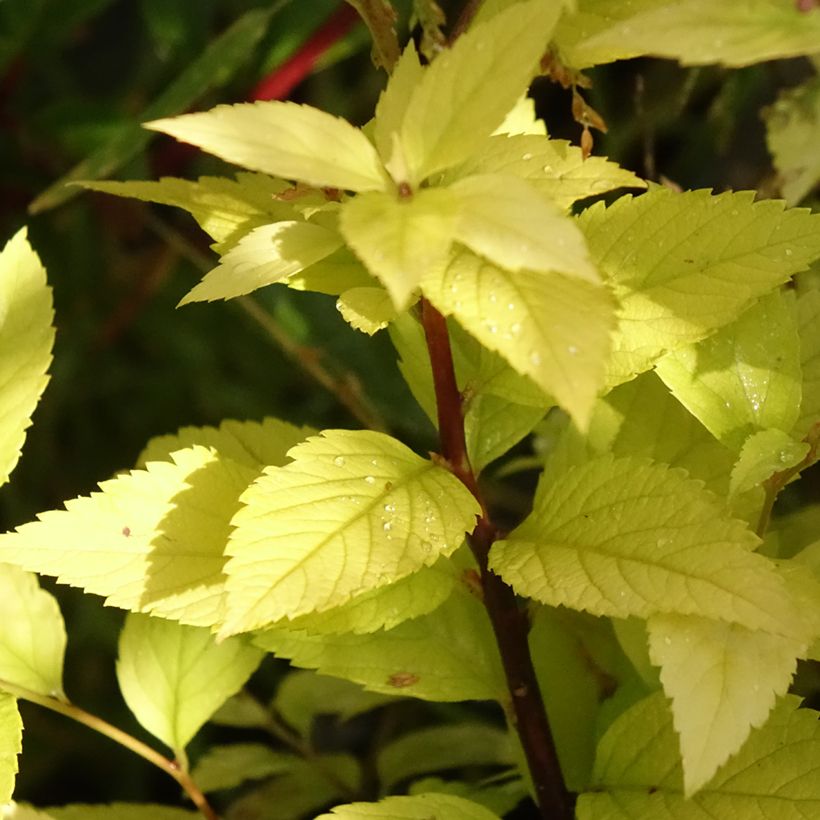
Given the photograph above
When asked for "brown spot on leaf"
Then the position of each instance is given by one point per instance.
(126, 531)
(402, 679)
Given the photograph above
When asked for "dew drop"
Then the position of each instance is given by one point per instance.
(572, 350)
(535, 358)
(493, 297)
(390, 508)
(492, 327)
(510, 305)
(526, 156)
(387, 526)
(369, 479)
(547, 169)
(515, 328)
(668, 641)
(788, 251)
(339, 461)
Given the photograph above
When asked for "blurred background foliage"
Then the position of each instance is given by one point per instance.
(76, 79)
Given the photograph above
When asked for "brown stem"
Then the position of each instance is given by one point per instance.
(509, 622)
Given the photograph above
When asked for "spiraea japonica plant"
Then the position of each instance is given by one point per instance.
(639, 628)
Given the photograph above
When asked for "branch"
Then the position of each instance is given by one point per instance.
(146, 752)
(510, 623)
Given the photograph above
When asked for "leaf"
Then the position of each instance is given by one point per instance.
(555, 168)
(303, 696)
(231, 765)
(723, 680)
(638, 774)
(366, 309)
(792, 132)
(401, 240)
(383, 607)
(309, 787)
(506, 220)
(32, 640)
(683, 265)
(151, 540)
(762, 455)
(283, 139)
(695, 32)
(380, 18)
(11, 744)
(467, 91)
(242, 711)
(226, 209)
(252, 444)
(808, 319)
(417, 807)
(217, 64)
(439, 748)
(499, 797)
(354, 511)
(522, 118)
(26, 339)
(120, 811)
(548, 327)
(174, 677)
(335, 274)
(448, 655)
(743, 379)
(623, 537)
(266, 255)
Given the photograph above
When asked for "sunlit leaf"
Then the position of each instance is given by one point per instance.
(11, 744)
(283, 139)
(151, 540)
(32, 639)
(625, 537)
(401, 240)
(548, 327)
(723, 680)
(174, 677)
(417, 807)
(366, 309)
(467, 91)
(26, 338)
(683, 265)
(762, 455)
(808, 319)
(354, 511)
(268, 254)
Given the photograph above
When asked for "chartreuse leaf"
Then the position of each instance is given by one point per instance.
(226, 209)
(448, 655)
(638, 774)
(555, 168)
(625, 537)
(551, 328)
(522, 119)
(762, 455)
(367, 309)
(467, 91)
(22, 811)
(506, 220)
(401, 240)
(268, 254)
(283, 139)
(416, 807)
(683, 265)
(231, 765)
(808, 319)
(743, 379)
(26, 338)
(439, 748)
(303, 696)
(792, 134)
(174, 677)
(253, 444)
(695, 32)
(354, 511)
(11, 744)
(495, 794)
(383, 607)
(32, 640)
(151, 540)
(119, 811)
(723, 680)
(304, 790)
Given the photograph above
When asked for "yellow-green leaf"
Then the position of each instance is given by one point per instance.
(548, 327)
(283, 139)
(401, 240)
(506, 220)
(415, 807)
(762, 455)
(623, 537)
(808, 319)
(11, 744)
(32, 638)
(723, 680)
(366, 309)
(354, 511)
(174, 677)
(26, 338)
(151, 540)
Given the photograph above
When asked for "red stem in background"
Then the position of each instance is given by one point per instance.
(278, 84)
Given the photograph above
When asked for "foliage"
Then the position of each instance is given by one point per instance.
(651, 353)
